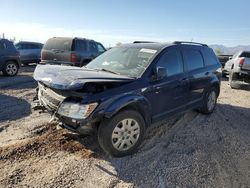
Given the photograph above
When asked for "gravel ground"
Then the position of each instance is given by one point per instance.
(191, 150)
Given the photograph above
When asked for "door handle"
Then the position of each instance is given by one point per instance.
(182, 82)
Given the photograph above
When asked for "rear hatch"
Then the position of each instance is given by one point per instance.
(246, 64)
(57, 51)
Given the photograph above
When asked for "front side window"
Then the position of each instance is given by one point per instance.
(172, 61)
(193, 59)
(100, 48)
(129, 61)
(93, 47)
(18, 46)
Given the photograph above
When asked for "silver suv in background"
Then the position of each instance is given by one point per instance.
(238, 68)
(70, 51)
(30, 52)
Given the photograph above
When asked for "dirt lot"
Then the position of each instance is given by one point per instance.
(191, 150)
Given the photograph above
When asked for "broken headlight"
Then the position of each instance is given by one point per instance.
(75, 110)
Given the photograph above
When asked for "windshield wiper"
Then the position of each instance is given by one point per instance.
(106, 70)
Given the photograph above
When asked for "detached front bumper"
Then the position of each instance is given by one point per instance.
(87, 126)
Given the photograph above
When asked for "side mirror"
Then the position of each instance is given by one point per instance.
(159, 73)
(230, 58)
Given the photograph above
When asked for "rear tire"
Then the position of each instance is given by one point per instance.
(232, 77)
(10, 68)
(122, 134)
(209, 101)
(224, 74)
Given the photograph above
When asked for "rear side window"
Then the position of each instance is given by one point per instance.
(92, 47)
(58, 44)
(210, 58)
(193, 59)
(172, 61)
(245, 54)
(80, 45)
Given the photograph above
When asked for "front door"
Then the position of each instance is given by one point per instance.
(170, 94)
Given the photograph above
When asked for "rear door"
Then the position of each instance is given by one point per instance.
(57, 50)
(198, 75)
(170, 94)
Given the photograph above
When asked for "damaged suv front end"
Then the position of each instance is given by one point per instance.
(73, 95)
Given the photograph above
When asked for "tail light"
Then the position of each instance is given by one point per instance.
(73, 57)
(242, 60)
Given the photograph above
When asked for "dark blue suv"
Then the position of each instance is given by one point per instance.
(126, 89)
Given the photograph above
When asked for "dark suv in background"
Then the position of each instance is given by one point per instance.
(9, 58)
(70, 51)
(121, 92)
(30, 52)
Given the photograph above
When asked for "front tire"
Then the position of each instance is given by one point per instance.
(209, 101)
(10, 68)
(122, 134)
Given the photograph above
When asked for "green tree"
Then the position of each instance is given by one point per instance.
(218, 51)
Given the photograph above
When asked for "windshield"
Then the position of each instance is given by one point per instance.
(127, 61)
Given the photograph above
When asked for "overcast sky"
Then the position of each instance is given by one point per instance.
(213, 22)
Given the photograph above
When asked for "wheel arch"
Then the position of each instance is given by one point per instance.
(132, 102)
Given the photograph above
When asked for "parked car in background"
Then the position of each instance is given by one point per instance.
(30, 52)
(239, 69)
(70, 51)
(223, 59)
(9, 58)
(121, 92)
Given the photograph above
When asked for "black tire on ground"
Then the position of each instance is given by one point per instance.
(107, 129)
(232, 78)
(10, 68)
(210, 96)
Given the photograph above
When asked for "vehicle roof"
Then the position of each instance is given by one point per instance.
(72, 38)
(28, 42)
(158, 46)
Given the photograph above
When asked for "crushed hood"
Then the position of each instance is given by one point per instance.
(68, 78)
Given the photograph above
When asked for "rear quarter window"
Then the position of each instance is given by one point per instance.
(193, 59)
(210, 58)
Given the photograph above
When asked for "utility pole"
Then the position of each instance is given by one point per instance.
(3, 36)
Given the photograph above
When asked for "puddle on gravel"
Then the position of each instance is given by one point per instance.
(47, 140)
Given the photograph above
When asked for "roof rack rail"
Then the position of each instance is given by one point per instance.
(135, 42)
(185, 42)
